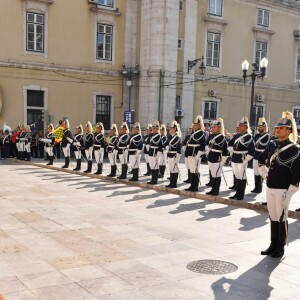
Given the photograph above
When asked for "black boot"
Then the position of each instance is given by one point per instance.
(196, 182)
(67, 161)
(242, 189)
(78, 166)
(161, 172)
(99, 171)
(28, 156)
(189, 177)
(135, 173)
(281, 241)
(154, 177)
(237, 187)
(89, 168)
(124, 172)
(50, 163)
(113, 171)
(217, 186)
(192, 175)
(234, 184)
(210, 180)
(213, 185)
(148, 170)
(170, 185)
(274, 226)
(258, 185)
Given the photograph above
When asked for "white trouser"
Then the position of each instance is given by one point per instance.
(193, 164)
(89, 153)
(163, 159)
(99, 153)
(255, 167)
(134, 160)
(275, 199)
(186, 161)
(239, 170)
(49, 151)
(112, 156)
(22, 146)
(173, 163)
(153, 162)
(123, 157)
(146, 158)
(27, 147)
(66, 150)
(77, 154)
(215, 169)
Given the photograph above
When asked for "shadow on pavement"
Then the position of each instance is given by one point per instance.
(165, 202)
(254, 222)
(216, 213)
(144, 197)
(242, 287)
(190, 207)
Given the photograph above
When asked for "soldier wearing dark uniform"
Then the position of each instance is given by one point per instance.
(230, 149)
(135, 150)
(217, 155)
(79, 145)
(186, 161)
(146, 148)
(34, 144)
(283, 160)
(163, 157)
(67, 140)
(89, 146)
(243, 151)
(99, 147)
(112, 150)
(123, 149)
(174, 152)
(27, 140)
(21, 143)
(195, 149)
(49, 143)
(155, 151)
(261, 141)
(6, 143)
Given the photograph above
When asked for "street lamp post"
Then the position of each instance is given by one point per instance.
(130, 73)
(192, 64)
(255, 74)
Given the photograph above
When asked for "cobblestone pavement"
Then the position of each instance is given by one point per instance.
(69, 236)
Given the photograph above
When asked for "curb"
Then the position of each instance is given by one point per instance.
(196, 195)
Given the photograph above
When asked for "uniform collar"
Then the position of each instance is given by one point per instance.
(281, 144)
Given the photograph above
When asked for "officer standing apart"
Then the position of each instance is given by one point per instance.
(112, 150)
(243, 151)
(195, 149)
(186, 161)
(261, 140)
(282, 179)
(135, 150)
(123, 149)
(78, 144)
(99, 147)
(155, 151)
(67, 140)
(217, 155)
(49, 143)
(163, 158)
(89, 146)
(173, 153)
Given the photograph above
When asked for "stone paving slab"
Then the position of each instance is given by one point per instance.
(71, 236)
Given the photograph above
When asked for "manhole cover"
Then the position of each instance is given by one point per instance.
(208, 266)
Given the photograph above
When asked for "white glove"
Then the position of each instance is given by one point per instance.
(69, 140)
(263, 171)
(199, 154)
(76, 144)
(183, 149)
(206, 150)
(167, 148)
(147, 147)
(247, 159)
(223, 161)
(287, 196)
(230, 149)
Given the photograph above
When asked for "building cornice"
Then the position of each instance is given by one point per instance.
(215, 20)
(57, 68)
(98, 9)
(290, 5)
(43, 1)
(263, 30)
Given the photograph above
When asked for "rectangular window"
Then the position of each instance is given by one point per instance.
(180, 5)
(296, 113)
(210, 110)
(35, 98)
(103, 110)
(35, 32)
(263, 17)
(213, 49)
(178, 102)
(179, 43)
(109, 3)
(35, 106)
(298, 64)
(104, 41)
(258, 111)
(215, 7)
(260, 52)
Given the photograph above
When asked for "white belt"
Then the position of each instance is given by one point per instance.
(259, 150)
(215, 150)
(193, 145)
(172, 151)
(122, 147)
(240, 152)
(154, 147)
(98, 146)
(133, 150)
